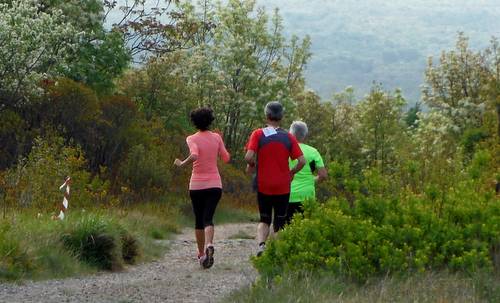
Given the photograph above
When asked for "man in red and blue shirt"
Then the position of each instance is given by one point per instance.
(268, 151)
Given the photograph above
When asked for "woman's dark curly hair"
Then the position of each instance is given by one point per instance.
(202, 118)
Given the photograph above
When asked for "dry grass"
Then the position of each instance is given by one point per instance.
(430, 287)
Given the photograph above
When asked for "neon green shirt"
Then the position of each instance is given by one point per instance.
(303, 182)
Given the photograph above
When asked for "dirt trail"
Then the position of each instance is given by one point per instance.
(177, 277)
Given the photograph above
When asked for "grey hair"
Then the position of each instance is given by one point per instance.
(299, 130)
(274, 111)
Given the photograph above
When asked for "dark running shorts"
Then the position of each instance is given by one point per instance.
(266, 205)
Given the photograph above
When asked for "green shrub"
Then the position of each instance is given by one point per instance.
(35, 181)
(383, 235)
(146, 171)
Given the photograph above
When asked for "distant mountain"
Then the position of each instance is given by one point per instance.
(356, 42)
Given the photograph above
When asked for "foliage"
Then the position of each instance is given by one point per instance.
(98, 61)
(318, 116)
(11, 137)
(387, 233)
(161, 88)
(71, 107)
(35, 181)
(380, 127)
(33, 43)
(454, 86)
(155, 28)
(242, 65)
(411, 116)
(100, 55)
(145, 172)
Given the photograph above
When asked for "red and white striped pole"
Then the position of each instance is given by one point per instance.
(65, 203)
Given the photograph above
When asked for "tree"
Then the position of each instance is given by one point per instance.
(493, 86)
(161, 90)
(381, 118)
(151, 29)
(101, 54)
(454, 86)
(245, 64)
(411, 116)
(317, 115)
(32, 44)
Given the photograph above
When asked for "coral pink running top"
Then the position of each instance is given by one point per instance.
(208, 146)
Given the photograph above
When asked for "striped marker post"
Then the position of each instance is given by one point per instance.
(65, 203)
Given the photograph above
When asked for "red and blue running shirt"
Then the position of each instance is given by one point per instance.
(273, 148)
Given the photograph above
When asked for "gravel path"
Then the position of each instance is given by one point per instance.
(177, 277)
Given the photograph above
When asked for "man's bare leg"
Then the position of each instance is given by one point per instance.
(262, 232)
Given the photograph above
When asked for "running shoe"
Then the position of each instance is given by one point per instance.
(261, 249)
(209, 260)
(202, 259)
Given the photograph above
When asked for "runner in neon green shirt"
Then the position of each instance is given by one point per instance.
(303, 184)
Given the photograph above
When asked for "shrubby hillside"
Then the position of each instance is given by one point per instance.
(357, 42)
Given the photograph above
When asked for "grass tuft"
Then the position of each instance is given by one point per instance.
(130, 248)
(93, 241)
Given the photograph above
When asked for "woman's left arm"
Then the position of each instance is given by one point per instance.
(188, 160)
(193, 154)
(223, 153)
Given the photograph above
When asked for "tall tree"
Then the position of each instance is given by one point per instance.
(246, 63)
(32, 44)
(381, 119)
(453, 87)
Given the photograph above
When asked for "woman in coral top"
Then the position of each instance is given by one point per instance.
(205, 187)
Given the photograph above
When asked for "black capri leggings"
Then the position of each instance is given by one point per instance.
(266, 205)
(204, 203)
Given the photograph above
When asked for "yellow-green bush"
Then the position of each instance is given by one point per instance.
(386, 233)
(35, 180)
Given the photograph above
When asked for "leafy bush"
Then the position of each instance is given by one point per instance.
(35, 181)
(384, 233)
(146, 172)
